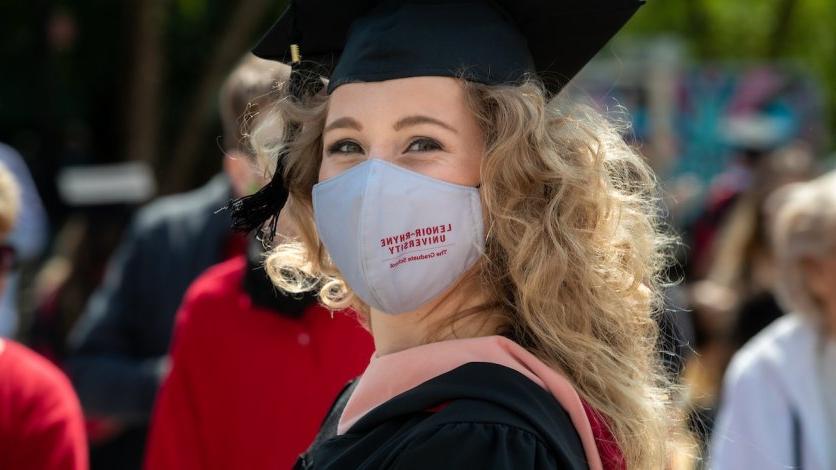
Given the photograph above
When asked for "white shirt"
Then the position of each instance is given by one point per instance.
(773, 377)
(827, 385)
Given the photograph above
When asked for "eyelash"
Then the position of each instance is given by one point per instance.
(338, 147)
(436, 146)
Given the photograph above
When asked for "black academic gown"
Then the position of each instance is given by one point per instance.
(477, 416)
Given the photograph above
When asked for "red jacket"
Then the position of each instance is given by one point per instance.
(41, 425)
(248, 387)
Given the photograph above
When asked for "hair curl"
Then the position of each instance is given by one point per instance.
(574, 249)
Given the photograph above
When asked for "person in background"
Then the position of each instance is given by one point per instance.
(778, 409)
(735, 299)
(81, 248)
(28, 236)
(41, 425)
(253, 370)
(117, 351)
(68, 277)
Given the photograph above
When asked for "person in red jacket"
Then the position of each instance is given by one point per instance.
(253, 373)
(41, 426)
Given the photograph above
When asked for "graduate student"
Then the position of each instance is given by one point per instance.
(500, 244)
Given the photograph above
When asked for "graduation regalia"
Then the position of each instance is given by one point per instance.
(469, 403)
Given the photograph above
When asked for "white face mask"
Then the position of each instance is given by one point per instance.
(398, 237)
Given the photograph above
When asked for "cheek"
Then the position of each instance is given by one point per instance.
(327, 169)
(462, 166)
(473, 144)
(455, 169)
(466, 168)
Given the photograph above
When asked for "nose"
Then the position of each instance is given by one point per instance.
(382, 154)
(383, 146)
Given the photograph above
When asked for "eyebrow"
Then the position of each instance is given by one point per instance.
(343, 123)
(419, 119)
(351, 123)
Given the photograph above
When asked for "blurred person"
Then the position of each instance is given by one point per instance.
(68, 277)
(253, 370)
(118, 349)
(29, 236)
(501, 248)
(778, 406)
(735, 300)
(741, 270)
(41, 425)
(101, 199)
(116, 352)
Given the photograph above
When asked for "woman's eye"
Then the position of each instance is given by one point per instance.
(423, 145)
(345, 147)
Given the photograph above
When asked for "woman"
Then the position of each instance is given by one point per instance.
(778, 409)
(502, 251)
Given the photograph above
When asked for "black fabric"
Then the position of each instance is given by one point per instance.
(251, 213)
(263, 293)
(403, 39)
(491, 417)
(329, 426)
(493, 42)
(796, 440)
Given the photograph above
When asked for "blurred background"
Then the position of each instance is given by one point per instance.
(109, 105)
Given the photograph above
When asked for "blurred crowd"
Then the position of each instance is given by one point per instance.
(154, 338)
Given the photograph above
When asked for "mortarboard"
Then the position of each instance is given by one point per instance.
(484, 41)
(492, 42)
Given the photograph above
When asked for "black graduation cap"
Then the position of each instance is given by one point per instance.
(492, 42)
(485, 41)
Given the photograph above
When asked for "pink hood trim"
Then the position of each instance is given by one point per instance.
(390, 375)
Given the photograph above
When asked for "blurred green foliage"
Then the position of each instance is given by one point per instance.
(802, 32)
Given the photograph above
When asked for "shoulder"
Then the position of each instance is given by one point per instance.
(217, 286)
(484, 412)
(45, 428)
(183, 208)
(754, 421)
(39, 385)
(218, 281)
(768, 351)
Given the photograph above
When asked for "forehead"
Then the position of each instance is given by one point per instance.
(435, 96)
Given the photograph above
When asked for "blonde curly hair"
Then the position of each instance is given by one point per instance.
(573, 255)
